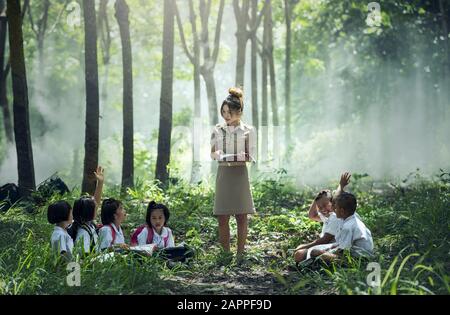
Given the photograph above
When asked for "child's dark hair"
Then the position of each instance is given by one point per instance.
(346, 201)
(324, 193)
(58, 212)
(83, 212)
(154, 206)
(234, 100)
(109, 208)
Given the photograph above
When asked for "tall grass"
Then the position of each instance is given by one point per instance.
(409, 223)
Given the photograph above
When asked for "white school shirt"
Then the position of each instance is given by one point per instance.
(61, 241)
(84, 237)
(157, 239)
(355, 235)
(331, 225)
(235, 136)
(106, 238)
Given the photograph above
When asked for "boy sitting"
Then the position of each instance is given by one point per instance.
(322, 210)
(353, 235)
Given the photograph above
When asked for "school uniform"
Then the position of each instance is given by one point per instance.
(106, 237)
(166, 233)
(87, 235)
(233, 194)
(61, 241)
(355, 236)
(331, 225)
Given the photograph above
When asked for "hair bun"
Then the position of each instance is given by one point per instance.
(236, 92)
(152, 203)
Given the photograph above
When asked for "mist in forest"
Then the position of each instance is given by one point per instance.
(384, 131)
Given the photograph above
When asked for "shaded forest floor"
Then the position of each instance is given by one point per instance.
(409, 222)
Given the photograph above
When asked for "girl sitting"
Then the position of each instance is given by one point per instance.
(84, 229)
(155, 230)
(60, 214)
(110, 234)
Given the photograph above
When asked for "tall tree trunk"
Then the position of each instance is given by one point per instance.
(195, 60)
(273, 87)
(91, 144)
(165, 107)
(254, 76)
(264, 97)
(211, 94)
(287, 82)
(209, 62)
(243, 34)
(445, 22)
(22, 134)
(241, 15)
(122, 13)
(7, 122)
(105, 41)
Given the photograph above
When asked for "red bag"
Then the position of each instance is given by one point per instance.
(134, 235)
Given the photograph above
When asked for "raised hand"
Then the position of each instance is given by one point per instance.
(345, 179)
(99, 174)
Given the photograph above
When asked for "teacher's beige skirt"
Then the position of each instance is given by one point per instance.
(233, 194)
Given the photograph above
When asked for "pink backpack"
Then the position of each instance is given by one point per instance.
(134, 236)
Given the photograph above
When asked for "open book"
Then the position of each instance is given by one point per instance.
(147, 249)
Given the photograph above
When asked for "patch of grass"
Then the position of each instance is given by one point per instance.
(409, 223)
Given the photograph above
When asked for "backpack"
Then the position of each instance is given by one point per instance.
(135, 234)
(73, 232)
(48, 188)
(9, 194)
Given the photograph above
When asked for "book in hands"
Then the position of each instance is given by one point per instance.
(248, 157)
(147, 249)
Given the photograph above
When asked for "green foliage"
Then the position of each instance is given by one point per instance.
(409, 226)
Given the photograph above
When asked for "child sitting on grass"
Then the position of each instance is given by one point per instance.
(353, 236)
(60, 214)
(84, 229)
(322, 210)
(110, 234)
(156, 232)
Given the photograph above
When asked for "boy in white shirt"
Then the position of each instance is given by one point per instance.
(322, 210)
(353, 236)
(60, 214)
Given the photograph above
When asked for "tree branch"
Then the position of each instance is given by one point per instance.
(181, 31)
(218, 29)
(52, 29)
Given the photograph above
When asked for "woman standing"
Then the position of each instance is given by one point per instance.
(233, 143)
